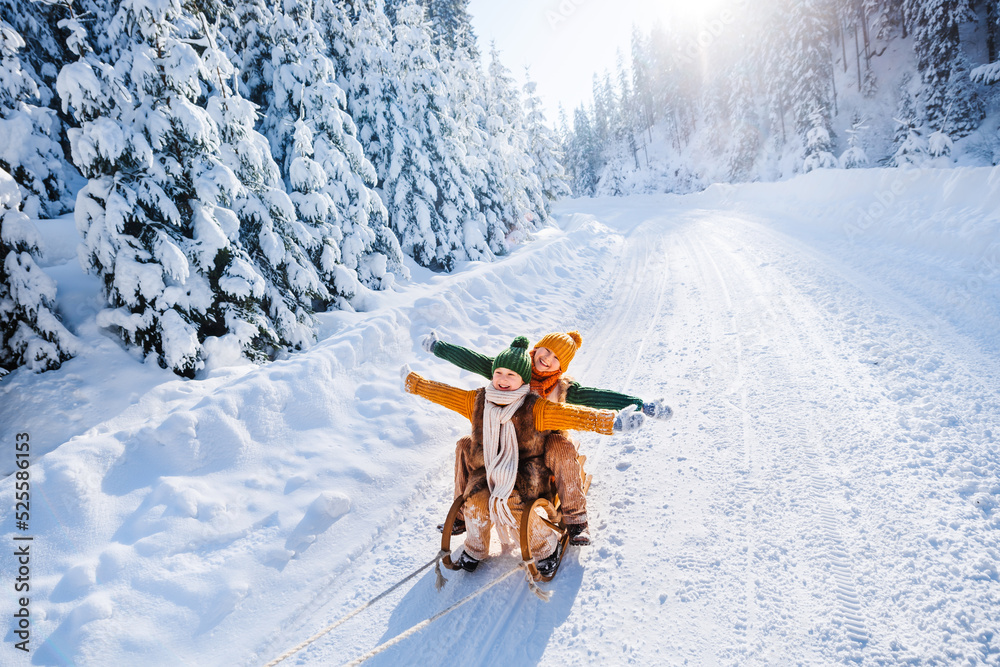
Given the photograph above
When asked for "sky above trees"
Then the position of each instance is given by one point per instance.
(565, 42)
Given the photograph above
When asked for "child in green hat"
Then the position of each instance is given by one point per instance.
(507, 455)
(550, 358)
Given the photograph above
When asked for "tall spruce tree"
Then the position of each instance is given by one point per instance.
(745, 137)
(270, 233)
(248, 27)
(314, 141)
(543, 147)
(451, 25)
(158, 215)
(934, 24)
(584, 154)
(515, 191)
(811, 75)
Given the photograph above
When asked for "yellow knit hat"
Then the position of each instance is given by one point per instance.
(563, 345)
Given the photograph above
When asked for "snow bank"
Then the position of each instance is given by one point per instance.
(176, 512)
(933, 234)
(944, 212)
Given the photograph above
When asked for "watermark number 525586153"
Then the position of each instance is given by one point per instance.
(22, 542)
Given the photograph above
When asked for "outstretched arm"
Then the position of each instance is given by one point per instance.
(460, 400)
(604, 399)
(464, 358)
(552, 416)
(600, 399)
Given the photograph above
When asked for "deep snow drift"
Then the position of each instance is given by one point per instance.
(827, 491)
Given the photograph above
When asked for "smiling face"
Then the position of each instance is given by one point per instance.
(545, 360)
(505, 379)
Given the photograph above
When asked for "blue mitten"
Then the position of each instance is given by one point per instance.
(628, 419)
(658, 410)
(429, 341)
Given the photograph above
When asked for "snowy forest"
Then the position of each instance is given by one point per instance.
(763, 91)
(234, 168)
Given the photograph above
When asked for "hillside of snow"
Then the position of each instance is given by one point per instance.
(826, 493)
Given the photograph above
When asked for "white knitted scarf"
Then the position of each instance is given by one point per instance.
(500, 454)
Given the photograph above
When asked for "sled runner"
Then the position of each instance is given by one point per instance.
(545, 510)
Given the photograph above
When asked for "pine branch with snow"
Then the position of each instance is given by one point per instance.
(31, 334)
(29, 147)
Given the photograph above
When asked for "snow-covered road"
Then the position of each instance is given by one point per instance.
(826, 492)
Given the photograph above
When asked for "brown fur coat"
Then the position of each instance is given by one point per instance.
(534, 479)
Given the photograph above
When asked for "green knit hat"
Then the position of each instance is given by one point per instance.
(515, 358)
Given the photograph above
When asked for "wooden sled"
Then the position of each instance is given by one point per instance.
(543, 509)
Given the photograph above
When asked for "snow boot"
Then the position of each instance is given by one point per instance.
(547, 566)
(457, 528)
(579, 534)
(467, 562)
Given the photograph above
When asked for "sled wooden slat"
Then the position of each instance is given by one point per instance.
(559, 527)
(449, 525)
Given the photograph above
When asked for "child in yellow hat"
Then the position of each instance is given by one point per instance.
(507, 455)
(550, 358)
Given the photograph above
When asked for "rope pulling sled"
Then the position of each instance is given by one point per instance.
(552, 519)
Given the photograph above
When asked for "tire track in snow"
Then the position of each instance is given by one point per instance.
(849, 609)
(801, 350)
(726, 343)
(778, 397)
(930, 392)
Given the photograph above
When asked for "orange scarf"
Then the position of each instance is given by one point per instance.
(542, 383)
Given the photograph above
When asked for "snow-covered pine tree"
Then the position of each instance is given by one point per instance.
(515, 192)
(675, 82)
(45, 48)
(400, 101)
(642, 82)
(543, 147)
(157, 215)
(467, 99)
(30, 333)
(965, 110)
(29, 150)
(358, 37)
(248, 28)
(628, 103)
(910, 146)
(939, 144)
(745, 140)
(855, 156)
(584, 154)
(715, 135)
(451, 25)
(990, 72)
(819, 146)
(934, 24)
(885, 18)
(811, 74)
(600, 111)
(774, 57)
(314, 140)
(270, 233)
